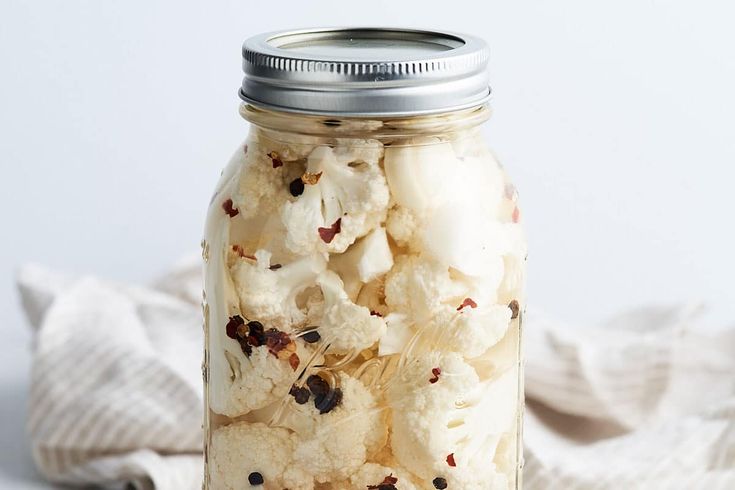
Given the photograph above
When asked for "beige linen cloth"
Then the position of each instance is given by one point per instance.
(645, 401)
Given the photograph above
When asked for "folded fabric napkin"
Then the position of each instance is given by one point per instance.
(645, 401)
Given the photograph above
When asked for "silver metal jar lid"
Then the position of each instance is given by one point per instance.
(365, 71)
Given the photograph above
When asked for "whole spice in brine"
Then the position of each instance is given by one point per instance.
(515, 309)
(388, 483)
(439, 483)
(328, 234)
(229, 208)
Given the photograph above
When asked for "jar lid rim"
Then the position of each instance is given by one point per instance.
(365, 71)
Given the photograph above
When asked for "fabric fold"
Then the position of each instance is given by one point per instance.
(643, 401)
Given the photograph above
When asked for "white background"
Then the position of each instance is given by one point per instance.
(616, 119)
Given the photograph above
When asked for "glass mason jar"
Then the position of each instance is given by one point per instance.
(365, 263)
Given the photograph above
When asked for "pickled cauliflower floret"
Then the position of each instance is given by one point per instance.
(345, 325)
(401, 224)
(421, 173)
(335, 444)
(264, 179)
(470, 331)
(243, 451)
(344, 198)
(422, 409)
(447, 207)
(446, 422)
(368, 259)
(270, 295)
(294, 147)
(372, 475)
(372, 296)
(257, 380)
(355, 151)
(419, 287)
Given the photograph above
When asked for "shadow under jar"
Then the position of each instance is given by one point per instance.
(365, 270)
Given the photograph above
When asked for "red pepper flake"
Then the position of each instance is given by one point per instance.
(328, 234)
(388, 483)
(516, 215)
(515, 309)
(241, 252)
(311, 179)
(275, 159)
(232, 326)
(375, 313)
(450, 460)
(467, 302)
(229, 209)
(253, 334)
(294, 361)
(436, 372)
(276, 340)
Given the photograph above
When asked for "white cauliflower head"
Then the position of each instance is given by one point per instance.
(345, 325)
(470, 331)
(402, 223)
(241, 449)
(419, 172)
(270, 295)
(446, 206)
(267, 170)
(335, 444)
(349, 197)
(252, 382)
(372, 296)
(419, 287)
(365, 261)
(446, 422)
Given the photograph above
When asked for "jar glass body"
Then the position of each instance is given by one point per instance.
(364, 294)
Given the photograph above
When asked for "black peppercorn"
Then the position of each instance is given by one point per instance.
(311, 337)
(439, 483)
(232, 324)
(317, 385)
(296, 187)
(256, 333)
(325, 403)
(301, 395)
(255, 478)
